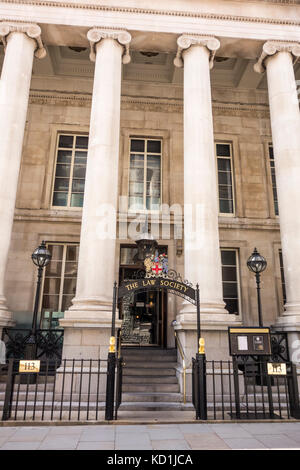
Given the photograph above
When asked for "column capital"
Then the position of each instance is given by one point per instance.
(32, 30)
(271, 48)
(95, 35)
(187, 40)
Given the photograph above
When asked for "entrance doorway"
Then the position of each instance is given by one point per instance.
(143, 314)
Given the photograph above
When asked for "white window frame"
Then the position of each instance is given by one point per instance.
(230, 158)
(145, 139)
(74, 135)
(62, 274)
(238, 276)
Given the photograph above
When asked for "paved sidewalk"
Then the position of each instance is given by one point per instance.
(172, 436)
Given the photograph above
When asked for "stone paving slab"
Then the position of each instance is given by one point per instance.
(172, 436)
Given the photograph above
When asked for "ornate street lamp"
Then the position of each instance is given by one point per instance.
(40, 257)
(257, 264)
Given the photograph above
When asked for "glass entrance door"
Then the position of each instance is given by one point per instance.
(143, 315)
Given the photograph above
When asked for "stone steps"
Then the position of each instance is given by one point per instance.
(149, 380)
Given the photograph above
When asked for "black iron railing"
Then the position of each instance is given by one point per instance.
(49, 343)
(76, 392)
(231, 390)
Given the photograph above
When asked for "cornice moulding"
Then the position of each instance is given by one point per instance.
(213, 16)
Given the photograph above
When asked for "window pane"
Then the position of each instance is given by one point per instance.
(228, 257)
(66, 302)
(61, 184)
(230, 290)
(223, 150)
(72, 253)
(51, 285)
(53, 269)
(64, 156)
(78, 186)
(226, 207)
(232, 306)
(80, 157)
(136, 189)
(60, 199)
(69, 286)
(135, 203)
(229, 273)
(79, 171)
(50, 302)
(76, 200)
(154, 146)
(137, 145)
(152, 203)
(127, 255)
(63, 170)
(230, 278)
(225, 192)
(66, 141)
(71, 269)
(55, 291)
(224, 164)
(136, 161)
(82, 142)
(224, 177)
(56, 253)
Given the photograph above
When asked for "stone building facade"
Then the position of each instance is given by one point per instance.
(192, 105)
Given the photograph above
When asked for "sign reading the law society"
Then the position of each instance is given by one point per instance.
(156, 283)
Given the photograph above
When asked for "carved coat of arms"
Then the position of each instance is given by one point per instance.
(156, 264)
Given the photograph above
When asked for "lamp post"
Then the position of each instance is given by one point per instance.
(257, 264)
(40, 257)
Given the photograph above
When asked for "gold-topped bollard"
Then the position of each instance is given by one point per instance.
(112, 344)
(201, 346)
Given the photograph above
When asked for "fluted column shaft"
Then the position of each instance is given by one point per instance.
(92, 305)
(278, 59)
(20, 43)
(201, 236)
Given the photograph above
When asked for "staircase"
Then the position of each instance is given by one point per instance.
(150, 382)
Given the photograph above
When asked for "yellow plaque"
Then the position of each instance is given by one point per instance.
(29, 366)
(276, 368)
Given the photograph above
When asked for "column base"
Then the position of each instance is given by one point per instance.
(6, 319)
(291, 325)
(87, 329)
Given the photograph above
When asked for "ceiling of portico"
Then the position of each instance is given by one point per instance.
(152, 66)
(232, 68)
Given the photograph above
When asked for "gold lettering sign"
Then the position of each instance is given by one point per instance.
(29, 366)
(276, 368)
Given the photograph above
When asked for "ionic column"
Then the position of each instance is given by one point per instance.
(277, 59)
(92, 305)
(21, 42)
(201, 235)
